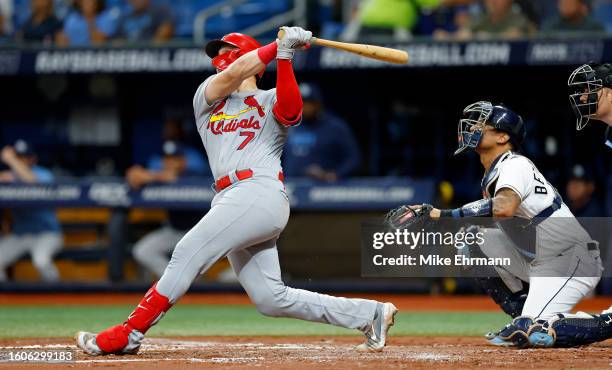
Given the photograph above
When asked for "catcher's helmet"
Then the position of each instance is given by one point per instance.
(243, 43)
(586, 81)
(502, 118)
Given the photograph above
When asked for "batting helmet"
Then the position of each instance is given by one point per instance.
(476, 115)
(585, 82)
(243, 43)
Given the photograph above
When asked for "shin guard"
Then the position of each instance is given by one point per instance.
(148, 312)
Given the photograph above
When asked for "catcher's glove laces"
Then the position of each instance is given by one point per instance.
(408, 217)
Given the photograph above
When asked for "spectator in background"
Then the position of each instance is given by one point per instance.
(323, 146)
(196, 160)
(88, 24)
(580, 191)
(146, 23)
(500, 19)
(544, 9)
(34, 230)
(6, 12)
(574, 16)
(152, 251)
(42, 26)
(458, 18)
(396, 18)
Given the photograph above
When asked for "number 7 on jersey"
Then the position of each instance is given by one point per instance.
(249, 136)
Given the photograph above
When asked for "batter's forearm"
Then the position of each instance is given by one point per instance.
(248, 65)
(244, 67)
(251, 63)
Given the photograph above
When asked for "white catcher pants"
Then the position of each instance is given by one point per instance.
(547, 295)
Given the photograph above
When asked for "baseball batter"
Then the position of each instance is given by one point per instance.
(566, 265)
(244, 130)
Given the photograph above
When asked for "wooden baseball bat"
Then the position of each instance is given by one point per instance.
(369, 51)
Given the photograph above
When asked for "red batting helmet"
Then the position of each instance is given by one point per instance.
(244, 43)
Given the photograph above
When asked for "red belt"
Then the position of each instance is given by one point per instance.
(226, 181)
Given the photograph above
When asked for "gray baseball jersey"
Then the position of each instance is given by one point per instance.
(245, 219)
(240, 131)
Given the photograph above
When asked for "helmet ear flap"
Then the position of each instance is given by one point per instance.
(222, 61)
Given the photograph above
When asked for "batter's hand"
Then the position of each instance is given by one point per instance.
(293, 38)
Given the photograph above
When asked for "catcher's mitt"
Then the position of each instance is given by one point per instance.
(408, 217)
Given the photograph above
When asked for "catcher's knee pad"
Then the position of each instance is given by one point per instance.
(571, 330)
(511, 303)
(517, 331)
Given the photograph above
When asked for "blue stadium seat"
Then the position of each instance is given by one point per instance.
(603, 13)
(21, 12)
(185, 12)
(243, 16)
(122, 4)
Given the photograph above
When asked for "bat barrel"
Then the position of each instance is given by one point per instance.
(370, 51)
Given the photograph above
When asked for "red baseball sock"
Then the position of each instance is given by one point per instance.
(148, 312)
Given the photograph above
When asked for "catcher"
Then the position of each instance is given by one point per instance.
(513, 187)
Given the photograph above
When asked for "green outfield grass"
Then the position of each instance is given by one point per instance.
(192, 320)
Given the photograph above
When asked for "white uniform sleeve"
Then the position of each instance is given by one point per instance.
(516, 174)
(200, 105)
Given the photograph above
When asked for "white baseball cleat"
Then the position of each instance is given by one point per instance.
(376, 335)
(87, 342)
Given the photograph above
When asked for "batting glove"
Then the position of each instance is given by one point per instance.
(293, 38)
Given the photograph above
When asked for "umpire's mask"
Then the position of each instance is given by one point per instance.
(584, 84)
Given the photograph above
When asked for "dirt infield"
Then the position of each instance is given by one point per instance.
(321, 353)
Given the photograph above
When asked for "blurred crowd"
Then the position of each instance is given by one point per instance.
(479, 19)
(86, 22)
(91, 22)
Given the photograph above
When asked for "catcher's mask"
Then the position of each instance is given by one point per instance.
(584, 85)
(243, 44)
(475, 116)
